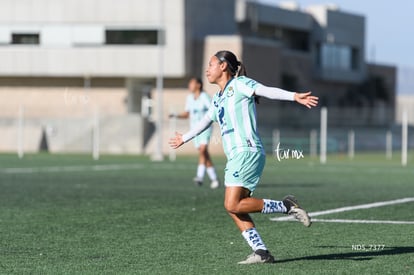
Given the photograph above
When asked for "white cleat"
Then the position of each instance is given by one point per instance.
(259, 257)
(198, 181)
(301, 215)
(215, 184)
(296, 211)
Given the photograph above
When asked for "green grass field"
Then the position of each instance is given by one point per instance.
(127, 215)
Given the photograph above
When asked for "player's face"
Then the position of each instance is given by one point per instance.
(192, 85)
(214, 70)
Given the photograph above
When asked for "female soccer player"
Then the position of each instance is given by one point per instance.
(196, 106)
(233, 107)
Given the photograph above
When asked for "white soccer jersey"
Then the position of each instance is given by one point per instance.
(197, 108)
(235, 111)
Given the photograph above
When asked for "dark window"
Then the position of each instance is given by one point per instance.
(296, 40)
(269, 31)
(26, 38)
(131, 37)
(355, 59)
(292, 39)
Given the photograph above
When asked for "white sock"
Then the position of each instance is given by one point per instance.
(271, 206)
(253, 238)
(201, 170)
(212, 173)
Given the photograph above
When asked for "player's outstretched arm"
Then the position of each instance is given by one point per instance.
(180, 139)
(307, 99)
(183, 115)
(177, 141)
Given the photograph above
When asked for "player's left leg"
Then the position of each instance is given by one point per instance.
(203, 141)
(247, 227)
(201, 167)
(211, 171)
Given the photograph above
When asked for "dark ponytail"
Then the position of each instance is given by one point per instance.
(232, 63)
(242, 70)
(234, 66)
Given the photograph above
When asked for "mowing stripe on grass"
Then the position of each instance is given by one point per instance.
(348, 208)
(78, 168)
(362, 221)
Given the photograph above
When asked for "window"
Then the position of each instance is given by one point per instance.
(26, 38)
(269, 31)
(334, 56)
(292, 39)
(131, 37)
(296, 40)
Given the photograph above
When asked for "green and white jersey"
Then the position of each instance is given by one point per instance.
(197, 108)
(235, 111)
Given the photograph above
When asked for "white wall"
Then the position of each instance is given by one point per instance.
(72, 38)
(405, 102)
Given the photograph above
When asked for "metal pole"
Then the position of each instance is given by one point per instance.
(313, 143)
(351, 144)
(83, 100)
(173, 128)
(158, 155)
(404, 138)
(324, 134)
(275, 138)
(275, 141)
(388, 145)
(20, 133)
(96, 135)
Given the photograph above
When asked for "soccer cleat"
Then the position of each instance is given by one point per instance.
(214, 184)
(296, 211)
(198, 181)
(259, 257)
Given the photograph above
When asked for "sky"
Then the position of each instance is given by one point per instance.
(389, 33)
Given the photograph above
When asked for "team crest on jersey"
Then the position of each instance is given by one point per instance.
(230, 92)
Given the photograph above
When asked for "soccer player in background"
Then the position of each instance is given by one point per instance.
(196, 106)
(233, 107)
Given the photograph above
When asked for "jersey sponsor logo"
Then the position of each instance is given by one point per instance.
(230, 92)
(236, 174)
(249, 143)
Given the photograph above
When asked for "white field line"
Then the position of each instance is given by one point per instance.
(362, 221)
(348, 208)
(56, 169)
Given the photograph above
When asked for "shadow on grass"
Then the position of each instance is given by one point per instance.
(365, 255)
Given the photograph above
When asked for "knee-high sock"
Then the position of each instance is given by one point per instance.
(253, 238)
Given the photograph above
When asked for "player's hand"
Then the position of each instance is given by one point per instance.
(307, 99)
(176, 141)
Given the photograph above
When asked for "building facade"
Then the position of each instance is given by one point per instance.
(66, 58)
